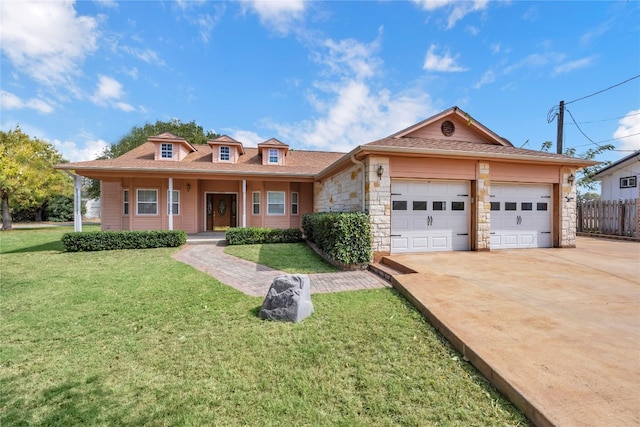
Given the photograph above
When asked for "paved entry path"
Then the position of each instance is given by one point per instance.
(254, 279)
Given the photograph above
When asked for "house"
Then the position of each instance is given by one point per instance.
(619, 180)
(446, 183)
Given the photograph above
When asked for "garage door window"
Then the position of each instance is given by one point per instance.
(510, 206)
(419, 206)
(457, 206)
(495, 206)
(439, 206)
(542, 206)
(526, 206)
(399, 205)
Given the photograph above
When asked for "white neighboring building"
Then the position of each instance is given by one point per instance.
(619, 180)
(92, 209)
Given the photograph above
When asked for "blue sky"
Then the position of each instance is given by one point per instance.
(319, 75)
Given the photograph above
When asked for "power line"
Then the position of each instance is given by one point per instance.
(608, 120)
(608, 140)
(579, 128)
(603, 90)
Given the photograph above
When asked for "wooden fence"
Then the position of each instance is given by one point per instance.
(609, 217)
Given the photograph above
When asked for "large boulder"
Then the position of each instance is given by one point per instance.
(288, 299)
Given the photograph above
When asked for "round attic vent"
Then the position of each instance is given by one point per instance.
(447, 128)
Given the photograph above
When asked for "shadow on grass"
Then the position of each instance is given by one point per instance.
(55, 246)
(69, 403)
(255, 311)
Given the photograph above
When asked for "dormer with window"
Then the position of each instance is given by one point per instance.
(273, 152)
(225, 149)
(169, 147)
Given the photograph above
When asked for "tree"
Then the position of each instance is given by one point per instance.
(27, 176)
(585, 175)
(137, 136)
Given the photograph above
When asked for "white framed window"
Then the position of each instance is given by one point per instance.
(629, 182)
(256, 202)
(166, 151)
(275, 203)
(225, 153)
(147, 202)
(294, 203)
(174, 209)
(273, 155)
(125, 202)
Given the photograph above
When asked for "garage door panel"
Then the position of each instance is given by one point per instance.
(520, 216)
(430, 215)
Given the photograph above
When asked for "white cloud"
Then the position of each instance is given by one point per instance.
(444, 63)
(147, 55)
(109, 4)
(248, 138)
(10, 101)
(629, 125)
(573, 65)
(487, 78)
(46, 40)
(280, 15)
(457, 9)
(350, 112)
(109, 92)
(73, 151)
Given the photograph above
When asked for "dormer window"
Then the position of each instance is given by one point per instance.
(273, 155)
(225, 153)
(166, 151)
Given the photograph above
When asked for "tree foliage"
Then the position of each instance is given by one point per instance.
(138, 135)
(585, 175)
(27, 176)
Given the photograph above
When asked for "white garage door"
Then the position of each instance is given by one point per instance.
(520, 216)
(429, 216)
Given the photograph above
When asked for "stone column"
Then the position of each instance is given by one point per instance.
(568, 210)
(483, 207)
(378, 204)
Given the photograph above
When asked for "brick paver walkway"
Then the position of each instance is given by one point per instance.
(255, 279)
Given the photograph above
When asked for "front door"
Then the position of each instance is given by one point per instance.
(221, 211)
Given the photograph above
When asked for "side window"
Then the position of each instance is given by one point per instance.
(125, 202)
(147, 202)
(174, 209)
(275, 203)
(294, 203)
(256, 203)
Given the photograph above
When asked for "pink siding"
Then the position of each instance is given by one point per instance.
(233, 153)
(524, 173)
(463, 132)
(265, 156)
(111, 207)
(417, 168)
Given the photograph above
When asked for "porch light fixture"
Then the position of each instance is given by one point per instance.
(188, 187)
(571, 178)
(380, 171)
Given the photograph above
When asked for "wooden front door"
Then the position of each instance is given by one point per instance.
(221, 211)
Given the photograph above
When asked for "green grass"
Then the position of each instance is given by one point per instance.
(137, 338)
(295, 258)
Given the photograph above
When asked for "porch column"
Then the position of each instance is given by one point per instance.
(77, 203)
(244, 203)
(170, 203)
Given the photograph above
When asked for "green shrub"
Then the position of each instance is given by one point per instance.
(110, 240)
(343, 236)
(257, 235)
(59, 209)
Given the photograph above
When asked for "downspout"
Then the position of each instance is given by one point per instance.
(77, 201)
(361, 163)
(244, 203)
(170, 203)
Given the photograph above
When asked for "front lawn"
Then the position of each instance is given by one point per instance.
(137, 338)
(295, 258)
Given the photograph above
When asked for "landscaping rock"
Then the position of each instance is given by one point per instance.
(288, 299)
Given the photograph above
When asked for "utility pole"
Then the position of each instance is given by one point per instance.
(560, 127)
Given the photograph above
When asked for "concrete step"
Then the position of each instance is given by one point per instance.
(383, 270)
(402, 269)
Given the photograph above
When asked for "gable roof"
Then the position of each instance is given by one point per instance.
(456, 114)
(625, 161)
(227, 140)
(167, 137)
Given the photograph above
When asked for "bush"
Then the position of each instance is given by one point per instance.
(110, 240)
(257, 235)
(344, 236)
(58, 209)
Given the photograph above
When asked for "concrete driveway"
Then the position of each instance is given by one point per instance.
(557, 330)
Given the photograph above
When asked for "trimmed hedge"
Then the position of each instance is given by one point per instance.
(257, 235)
(110, 240)
(343, 236)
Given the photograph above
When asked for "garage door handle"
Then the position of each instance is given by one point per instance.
(545, 232)
(463, 234)
(396, 235)
(493, 232)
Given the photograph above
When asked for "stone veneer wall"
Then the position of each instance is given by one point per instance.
(568, 211)
(340, 193)
(378, 204)
(483, 207)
